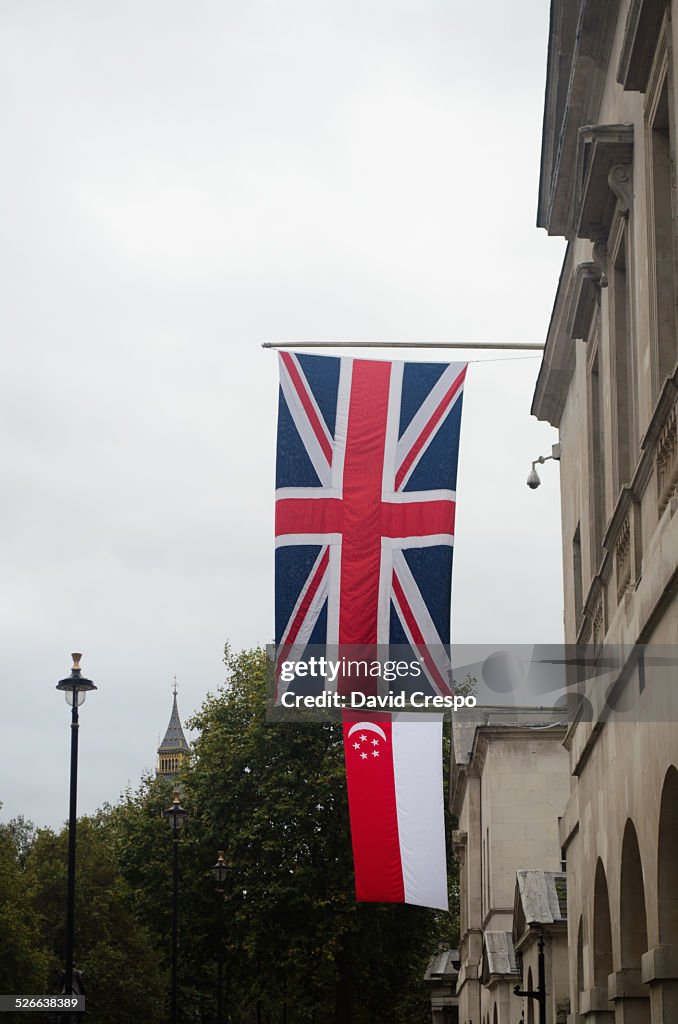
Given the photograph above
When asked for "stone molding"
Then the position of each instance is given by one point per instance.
(626, 984)
(641, 32)
(594, 1000)
(660, 964)
(581, 79)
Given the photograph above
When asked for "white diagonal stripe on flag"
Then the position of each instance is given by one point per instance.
(421, 420)
(317, 439)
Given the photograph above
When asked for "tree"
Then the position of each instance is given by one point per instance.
(113, 946)
(273, 797)
(23, 960)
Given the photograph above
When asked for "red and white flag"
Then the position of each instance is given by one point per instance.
(395, 793)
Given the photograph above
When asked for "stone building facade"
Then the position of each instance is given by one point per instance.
(509, 785)
(609, 383)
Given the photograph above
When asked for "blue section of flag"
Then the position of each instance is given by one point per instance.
(401, 650)
(438, 467)
(293, 467)
(432, 570)
(418, 379)
(292, 568)
(322, 374)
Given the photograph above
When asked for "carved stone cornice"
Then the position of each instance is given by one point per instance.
(641, 32)
(574, 84)
(604, 178)
(557, 366)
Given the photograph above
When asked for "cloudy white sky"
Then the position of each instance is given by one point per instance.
(181, 182)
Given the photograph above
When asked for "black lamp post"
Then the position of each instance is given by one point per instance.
(220, 871)
(176, 815)
(539, 994)
(75, 688)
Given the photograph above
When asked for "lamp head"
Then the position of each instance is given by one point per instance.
(533, 480)
(220, 870)
(176, 814)
(75, 687)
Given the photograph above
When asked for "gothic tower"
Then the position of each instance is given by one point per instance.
(173, 750)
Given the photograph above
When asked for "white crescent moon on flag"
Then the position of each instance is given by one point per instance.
(367, 725)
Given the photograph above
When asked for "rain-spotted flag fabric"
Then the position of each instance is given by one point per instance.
(366, 475)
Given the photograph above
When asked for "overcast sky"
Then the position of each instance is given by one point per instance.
(181, 182)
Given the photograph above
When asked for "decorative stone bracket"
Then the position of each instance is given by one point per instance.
(604, 185)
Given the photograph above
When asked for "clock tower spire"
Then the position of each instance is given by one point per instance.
(173, 750)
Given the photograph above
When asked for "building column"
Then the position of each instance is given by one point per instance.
(660, 971)
(630, 996)
(595, 1006)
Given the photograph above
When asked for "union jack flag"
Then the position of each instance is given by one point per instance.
(365, 506)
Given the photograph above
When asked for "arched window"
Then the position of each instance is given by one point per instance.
(632, 901)
(667, 881)
(580, 963)
(602, 930)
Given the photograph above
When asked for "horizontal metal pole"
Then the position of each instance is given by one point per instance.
(497, 345)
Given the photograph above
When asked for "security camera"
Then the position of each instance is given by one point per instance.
(533, 480)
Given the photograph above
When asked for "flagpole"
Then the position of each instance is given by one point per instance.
(496, 345)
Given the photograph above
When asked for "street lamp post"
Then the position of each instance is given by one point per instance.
(538, 994)
(176, 815)
(75, 688)
(219, 871)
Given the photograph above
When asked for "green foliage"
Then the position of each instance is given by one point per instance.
(114, 947)
(466, 687)
(23, 961)
(273, 798)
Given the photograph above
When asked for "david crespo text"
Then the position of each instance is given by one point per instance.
(384, 702)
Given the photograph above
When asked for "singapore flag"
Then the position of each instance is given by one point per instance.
(395, 795)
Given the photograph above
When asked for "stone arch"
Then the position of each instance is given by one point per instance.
(667, 861)
(602, 929)
(633, 915)
(494, 1015)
